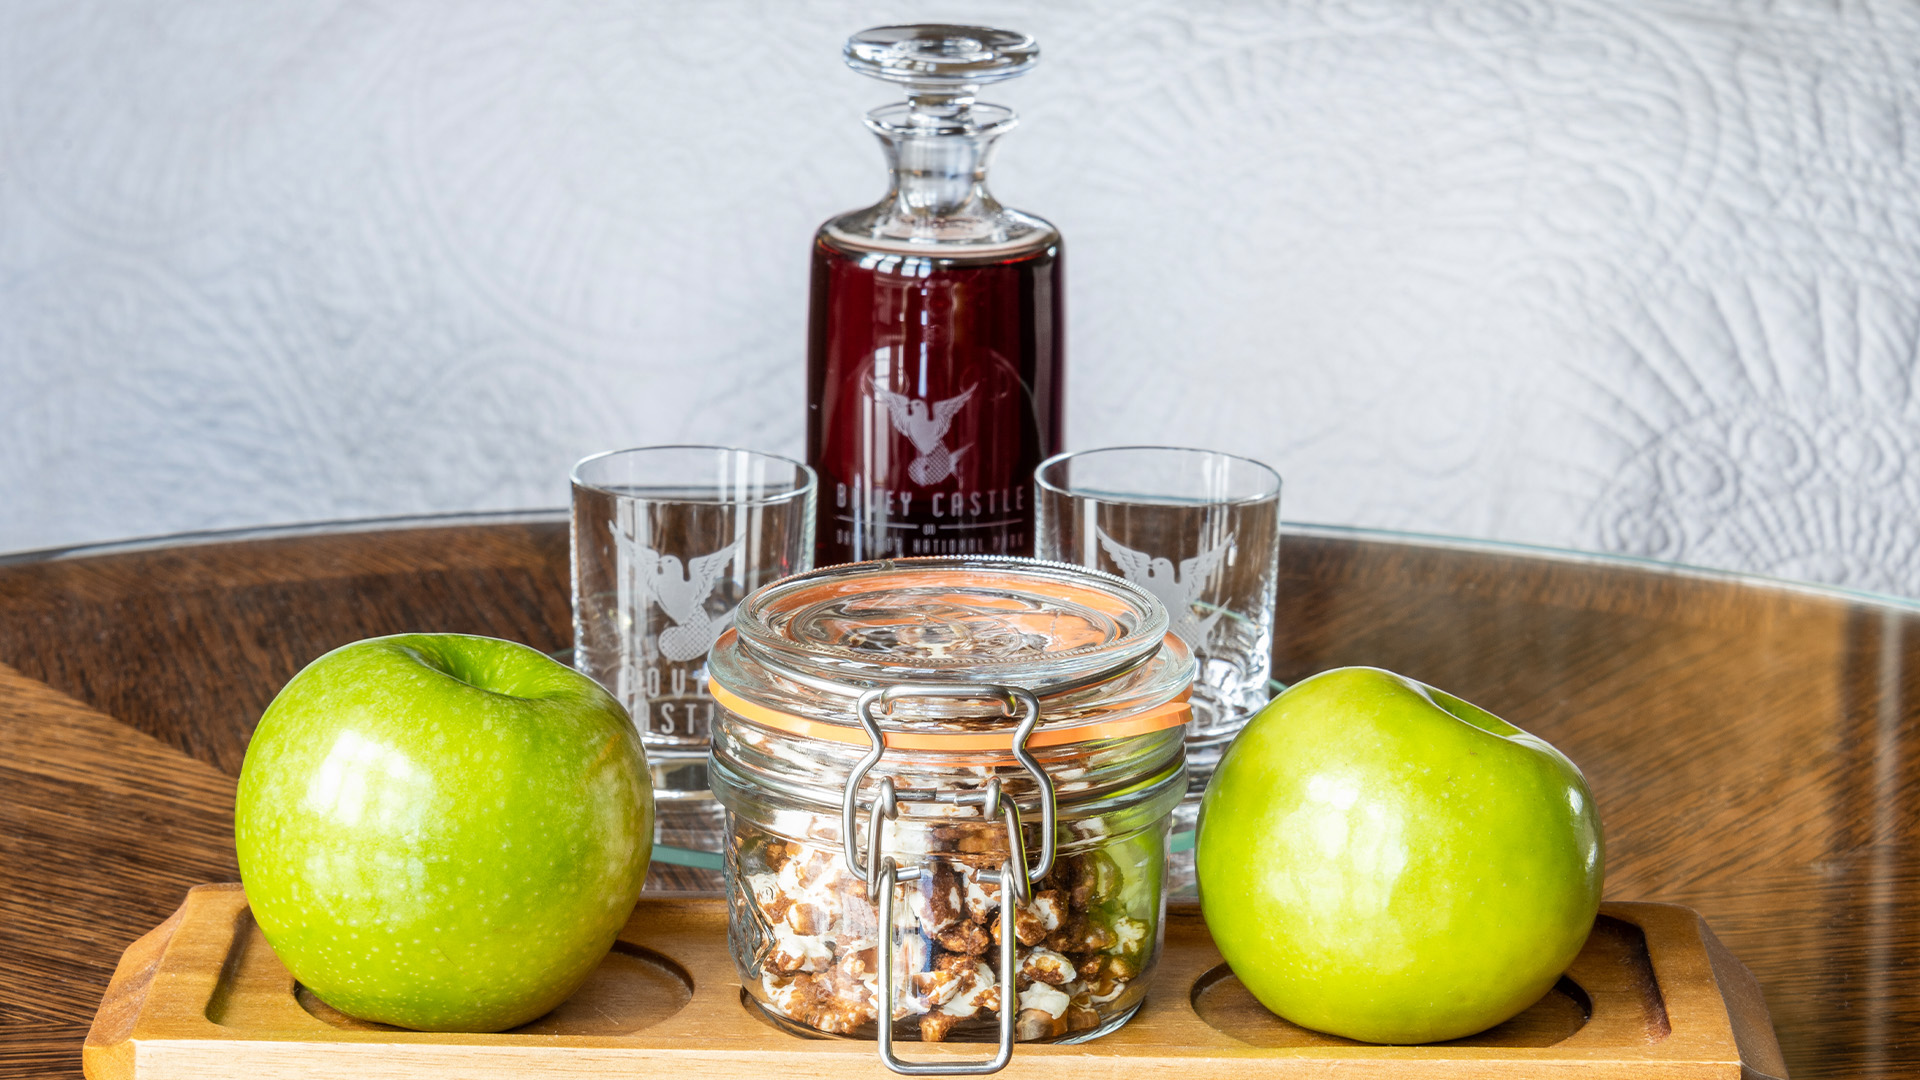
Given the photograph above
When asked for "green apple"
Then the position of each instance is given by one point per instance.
(1383, 861)
(443, 832)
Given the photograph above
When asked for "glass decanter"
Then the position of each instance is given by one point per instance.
(935, 361)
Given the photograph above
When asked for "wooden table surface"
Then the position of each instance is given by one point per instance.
(1746, 742)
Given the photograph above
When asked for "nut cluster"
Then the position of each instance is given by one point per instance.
(817, 961)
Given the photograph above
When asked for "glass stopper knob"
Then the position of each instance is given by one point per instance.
(936, 58)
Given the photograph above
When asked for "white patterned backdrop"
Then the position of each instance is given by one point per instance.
(1634, 276)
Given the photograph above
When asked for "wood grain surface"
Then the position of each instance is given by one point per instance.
(1746, 742)
(204, 995)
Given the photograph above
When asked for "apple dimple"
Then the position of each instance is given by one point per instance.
(1470, 713)
(489, 671)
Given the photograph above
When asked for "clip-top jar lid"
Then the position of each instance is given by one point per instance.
(1050, 629)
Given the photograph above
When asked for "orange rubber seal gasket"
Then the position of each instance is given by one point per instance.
(1159, 718)
(1098, 599)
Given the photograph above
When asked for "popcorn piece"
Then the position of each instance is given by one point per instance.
(1102, 991)
(958, 963)
(935, 988)
(825, 1001)
(967, 937)
(989, 1000)
(935, 1025)
(776, 909)
(940, 903)
(792, 953)
(1037, 1024)
(859, 960)
(982, 897)
(1130, 932)
(806, 869)
(1081, 935)
(915, 953)
(807, 917)
(1039, 918)
(1082, 1016)
(846, 1006)
(974, 988)
(1046, 966)
(798, 997)
(1050, 908)
(1043, 998)
(1083, 878)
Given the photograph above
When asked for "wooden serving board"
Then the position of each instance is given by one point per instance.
(1653, 994)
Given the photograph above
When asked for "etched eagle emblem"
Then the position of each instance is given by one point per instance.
(1177, 588)
(927, 430)
(681, 591)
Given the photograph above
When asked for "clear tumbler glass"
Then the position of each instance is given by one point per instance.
(667, 540)
(1200, 530)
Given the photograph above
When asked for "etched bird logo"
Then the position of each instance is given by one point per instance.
(1176, 588)
(681, 591)
(927, 431)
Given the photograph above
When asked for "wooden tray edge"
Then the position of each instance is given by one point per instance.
(1760, 1056)
(107, 1053)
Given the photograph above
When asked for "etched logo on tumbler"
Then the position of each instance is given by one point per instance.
(1178, 589)
(669, 662)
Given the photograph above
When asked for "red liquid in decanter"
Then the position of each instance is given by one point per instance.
(934, 387)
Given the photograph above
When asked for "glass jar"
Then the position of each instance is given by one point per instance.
(957, 728)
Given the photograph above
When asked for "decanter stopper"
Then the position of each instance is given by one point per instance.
(942, 67)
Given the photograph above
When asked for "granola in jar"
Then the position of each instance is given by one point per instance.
(957, 791)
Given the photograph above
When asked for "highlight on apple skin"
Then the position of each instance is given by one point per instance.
(1380, 860)
(441, 831)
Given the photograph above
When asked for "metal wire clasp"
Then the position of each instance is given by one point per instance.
(882, 875)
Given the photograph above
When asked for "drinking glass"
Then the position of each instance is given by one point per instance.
(1201, 531)
(667, 540)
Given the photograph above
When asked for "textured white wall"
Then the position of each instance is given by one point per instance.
(1629, 276)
